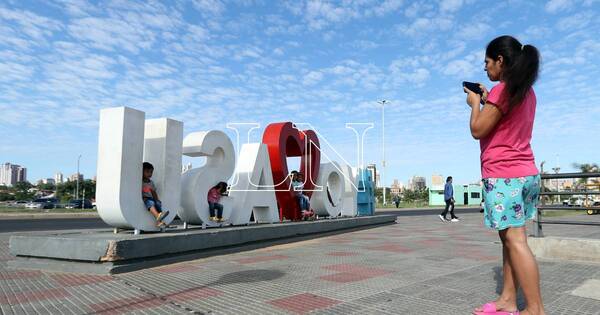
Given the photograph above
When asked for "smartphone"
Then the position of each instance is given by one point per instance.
(473, 87)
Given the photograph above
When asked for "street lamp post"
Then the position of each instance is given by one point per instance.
(77, 193)
(383, 102)
(556, 169)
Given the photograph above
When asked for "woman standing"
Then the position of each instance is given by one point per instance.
(511, 180)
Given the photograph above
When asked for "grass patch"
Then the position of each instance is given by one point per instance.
(561, 213)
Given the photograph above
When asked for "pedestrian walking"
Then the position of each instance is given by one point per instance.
(510, 178)
(449, 199)
(397, 201)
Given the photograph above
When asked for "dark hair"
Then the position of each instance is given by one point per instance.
(520, 67)
(449, 178)
(147, 166)
(221, 186)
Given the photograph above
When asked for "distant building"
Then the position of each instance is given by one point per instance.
(437, 180)
(397, 187)
(73, 177)
(464, 195)
(58, 178)
(48, 181)
(417, 183)
(10, 174)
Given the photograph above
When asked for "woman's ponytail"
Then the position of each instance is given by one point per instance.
(520, 68)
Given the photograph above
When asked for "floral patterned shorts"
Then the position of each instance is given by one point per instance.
(509, 202)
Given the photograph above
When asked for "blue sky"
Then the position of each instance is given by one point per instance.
(210, 62)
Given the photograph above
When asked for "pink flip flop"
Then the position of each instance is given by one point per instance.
(486, 308)
(497, 313)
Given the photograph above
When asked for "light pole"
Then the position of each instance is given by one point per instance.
(77, 193)
(383, 102)
(556, 169)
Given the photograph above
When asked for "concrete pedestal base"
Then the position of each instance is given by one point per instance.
(563, 248)
(105, 252)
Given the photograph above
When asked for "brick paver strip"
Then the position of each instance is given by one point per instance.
(342, 254)
(178, 268)
(127, 305)
(193, 294)
(11, 275)
(344, 277)
(349, 268)
(393, 248)
(34, 296)
(252, 260)
(304, 303)
(70, 280)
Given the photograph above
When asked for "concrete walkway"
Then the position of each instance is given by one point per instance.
(418, 266)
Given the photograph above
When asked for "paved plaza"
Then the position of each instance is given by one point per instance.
(417, 266)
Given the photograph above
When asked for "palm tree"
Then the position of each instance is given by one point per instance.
(588, 182)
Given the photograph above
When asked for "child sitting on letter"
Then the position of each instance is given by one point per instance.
(214, 195)
(150, 197)
(298, 185)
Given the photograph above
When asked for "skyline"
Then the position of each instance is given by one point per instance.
(208, 63)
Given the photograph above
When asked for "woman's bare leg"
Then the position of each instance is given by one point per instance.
(507, 301)
(527, 273)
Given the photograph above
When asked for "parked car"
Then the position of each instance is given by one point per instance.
(77, 204)
(42, 203)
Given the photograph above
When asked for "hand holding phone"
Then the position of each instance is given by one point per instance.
(475, 88)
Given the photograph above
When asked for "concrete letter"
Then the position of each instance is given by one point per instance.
(195, 183)
(254, 190)
(119, 175)
(328, 202)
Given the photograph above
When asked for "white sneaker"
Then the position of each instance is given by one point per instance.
(455, 220)
(442, 218)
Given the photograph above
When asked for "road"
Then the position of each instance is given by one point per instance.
(29, 225)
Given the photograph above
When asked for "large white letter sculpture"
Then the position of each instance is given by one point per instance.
(162, 148)
(220, 164)
(329, 201)
(254, 190)
(349, 207)
(120, 152)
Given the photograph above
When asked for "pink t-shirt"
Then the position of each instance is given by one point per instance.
(213, 195)
(506, 151)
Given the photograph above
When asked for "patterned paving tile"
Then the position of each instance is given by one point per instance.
(418, 266)
(303, 303)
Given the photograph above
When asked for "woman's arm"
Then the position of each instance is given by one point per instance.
(483, 120)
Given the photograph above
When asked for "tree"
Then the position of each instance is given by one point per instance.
(48, 186)
(68, 190)
(587, 168)
(6, 196)
(21, 190)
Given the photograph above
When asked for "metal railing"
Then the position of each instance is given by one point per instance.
(537, 226)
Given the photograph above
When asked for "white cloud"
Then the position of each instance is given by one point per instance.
(408, 70)
(14, 72)
(209, 7)
(386, 7)
(111, 34)
(312, 78)
(474, 31)
(450, 5)
(554, 6)
(465, 67)
(420, 27)
(576, 21)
